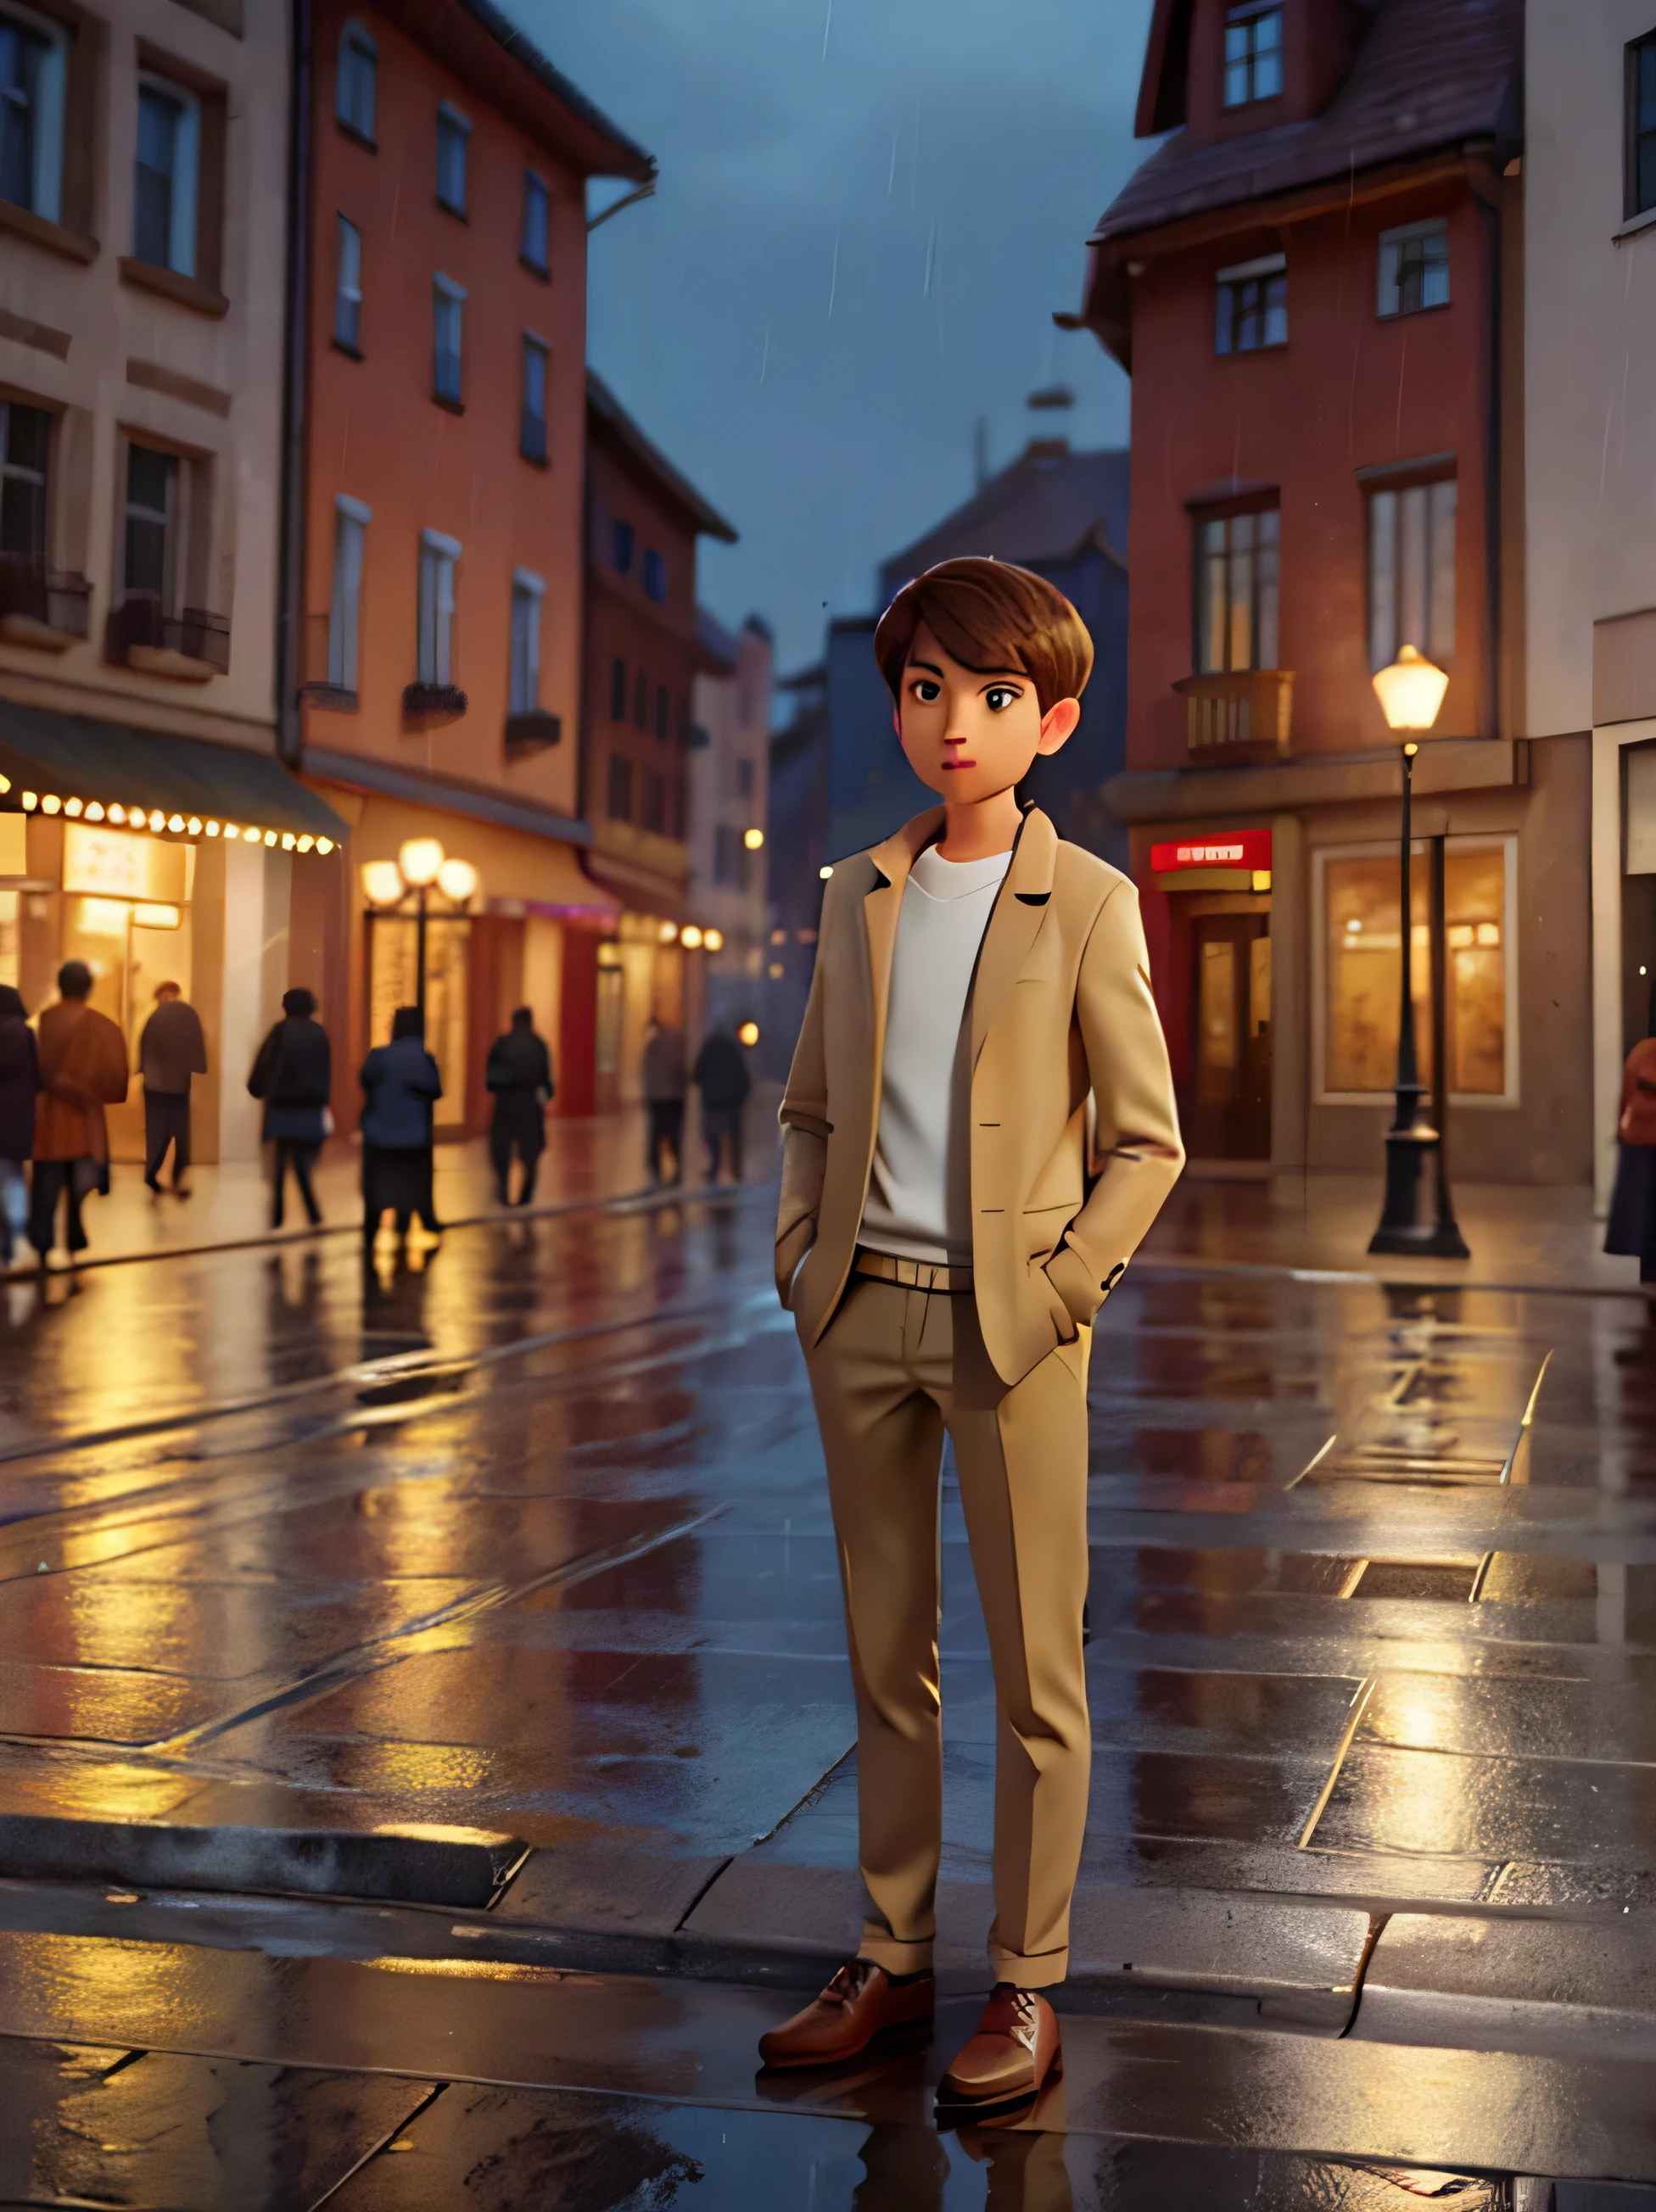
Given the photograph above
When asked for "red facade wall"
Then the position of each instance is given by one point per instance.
(1349, 391)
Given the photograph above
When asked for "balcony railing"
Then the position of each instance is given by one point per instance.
(531, 732)
(428, 706)
(1246, 715)
(192, 645)
(41, 605)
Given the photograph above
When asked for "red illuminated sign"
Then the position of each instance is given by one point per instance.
(1241, 848)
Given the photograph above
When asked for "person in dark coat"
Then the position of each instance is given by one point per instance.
(519, 1074)
(170, 1049)
(664, 1097)
(293, 1076)
(20, 1082)
(402, 1085)
(721, 1077)
(1631, 1228)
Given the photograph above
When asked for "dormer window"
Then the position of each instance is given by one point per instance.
(1253, 52)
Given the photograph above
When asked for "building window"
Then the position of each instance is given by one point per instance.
(348, 291)
(453, 132)
(620, 788)
(448, 305)
(152, 484)
(164, 194)
(1415, 267)
(617, 690)
(743, 779)
(1253, 52)
(655, 575)
(663, 714)
(1640, 125)
(653, 813)
(32, 73)
(438, 556)
(1362, 960)
(621, 549)
(1251, 307)
(535, 250)
(25, 442)
(641, 700)
(1411, 571)
(527, 591)
(359, 59)
(532, 430)
(350, 521)
(1236, 591)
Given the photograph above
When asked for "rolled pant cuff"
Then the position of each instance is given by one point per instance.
(880, 1946)
(1037, 1971)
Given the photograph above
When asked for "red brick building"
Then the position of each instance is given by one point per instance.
(1316, 283)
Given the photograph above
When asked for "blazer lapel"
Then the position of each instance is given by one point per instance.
(1019, 909)
(880, 908)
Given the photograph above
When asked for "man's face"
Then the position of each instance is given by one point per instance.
(970, 734)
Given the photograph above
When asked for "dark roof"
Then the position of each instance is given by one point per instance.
(1047, 505)
(604, 409)
(500, 26)
(715, 640)
(1429, 75)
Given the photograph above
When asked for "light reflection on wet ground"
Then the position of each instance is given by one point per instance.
(585, 1595)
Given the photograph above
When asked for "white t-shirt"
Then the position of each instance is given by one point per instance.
(919, 1202)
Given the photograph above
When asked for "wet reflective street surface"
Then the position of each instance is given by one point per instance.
(426, 1744)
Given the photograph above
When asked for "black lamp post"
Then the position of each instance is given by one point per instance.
(420, 863)
(1411, 691)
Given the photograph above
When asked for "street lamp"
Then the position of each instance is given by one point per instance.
(421, 864)
(1411, 692)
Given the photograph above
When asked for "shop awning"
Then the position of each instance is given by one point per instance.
(108, 770)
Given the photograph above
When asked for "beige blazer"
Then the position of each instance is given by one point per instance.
(1060, 1006)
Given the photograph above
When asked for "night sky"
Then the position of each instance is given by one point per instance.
(867, 211)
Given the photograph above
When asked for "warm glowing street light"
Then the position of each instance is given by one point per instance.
(825, 873)
(690, 937)
(421, 863)
(419, 858)
(1410, 691)
(382, 883)
(753, 839)
(457, 879)
(713, 940)
(749, 1033)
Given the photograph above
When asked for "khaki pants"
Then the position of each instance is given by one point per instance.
(893, 1370)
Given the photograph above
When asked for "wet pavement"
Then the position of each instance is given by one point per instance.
(426, 1748)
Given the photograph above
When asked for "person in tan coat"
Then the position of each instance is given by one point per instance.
(976, 979)
(82, 1070)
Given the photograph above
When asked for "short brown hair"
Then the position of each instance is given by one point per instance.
(990, 616)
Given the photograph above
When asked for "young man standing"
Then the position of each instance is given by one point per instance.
(976, 979)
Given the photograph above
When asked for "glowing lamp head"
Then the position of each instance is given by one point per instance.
(690, 937)
(457, 880)
(713, 940)
(749, 1033)
(753, 839)
(419, 858)
(667, 931)
(382, 882)
(1411, 691)
(825, 873)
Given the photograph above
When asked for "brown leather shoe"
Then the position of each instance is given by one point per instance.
(857, 2005)
(1016, 2049)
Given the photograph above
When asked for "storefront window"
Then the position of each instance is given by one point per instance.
(394, 982)
(1362, 950)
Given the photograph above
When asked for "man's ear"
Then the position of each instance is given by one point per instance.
(1058, 725)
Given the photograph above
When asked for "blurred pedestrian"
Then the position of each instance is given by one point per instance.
(20, 1080)
(82, 1070)
(170, 1051)
(665, 1084)
(722, 1078)
(1631, 1228)
(403, 1085)
(519, 1074)
(293, 1076)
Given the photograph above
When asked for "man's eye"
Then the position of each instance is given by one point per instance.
(1000, 695)
(926, 691)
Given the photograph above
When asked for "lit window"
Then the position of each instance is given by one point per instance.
(1362, 971)
(536, 248)
(1411, 571)
(655, 575)
(1414, 268)
(438, 557)
(348, 291)
(33, 74)
(1252, 305)
(527, 591)
(1236, 591)
(353, 92)
(532, 429)
(351, 523)
(151, 505)
(453, 132)
(25, 444)
(1253, 52)
(164, 184)
(448, 305)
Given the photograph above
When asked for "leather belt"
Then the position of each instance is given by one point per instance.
(912, 1274)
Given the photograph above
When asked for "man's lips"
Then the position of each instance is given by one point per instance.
(957, 763)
